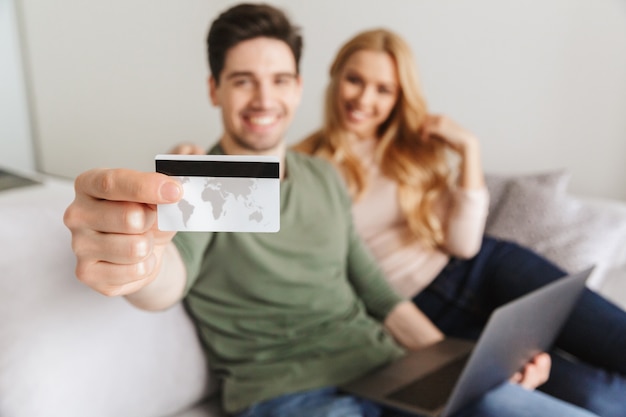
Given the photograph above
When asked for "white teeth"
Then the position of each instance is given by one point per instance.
(359, 115)
(262, 120)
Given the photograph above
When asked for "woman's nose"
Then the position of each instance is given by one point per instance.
(366, 96)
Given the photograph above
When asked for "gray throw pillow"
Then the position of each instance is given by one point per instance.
(566, 230)
(499, 185)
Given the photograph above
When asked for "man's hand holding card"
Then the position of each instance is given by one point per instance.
(222, 193)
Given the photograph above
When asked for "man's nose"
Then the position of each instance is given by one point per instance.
(263, 95)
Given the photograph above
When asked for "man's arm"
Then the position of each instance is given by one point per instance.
(411, 328)
(118, 247)
(168, 286)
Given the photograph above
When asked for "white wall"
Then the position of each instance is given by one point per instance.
(16, 150)
(540, 82)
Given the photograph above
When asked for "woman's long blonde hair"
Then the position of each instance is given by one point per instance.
(419, 168)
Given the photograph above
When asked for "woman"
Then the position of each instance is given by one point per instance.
(423, 217)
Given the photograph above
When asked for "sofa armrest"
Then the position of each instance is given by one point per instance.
(68, 351)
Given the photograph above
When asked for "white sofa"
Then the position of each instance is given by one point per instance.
(66, 351)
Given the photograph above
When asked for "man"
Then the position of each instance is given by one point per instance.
(284, 317)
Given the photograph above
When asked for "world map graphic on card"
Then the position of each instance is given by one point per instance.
(243, 203)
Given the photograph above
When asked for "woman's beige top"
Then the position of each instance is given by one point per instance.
(407, 264)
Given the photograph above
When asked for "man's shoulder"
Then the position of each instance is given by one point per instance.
(312, 163)
(317, 173)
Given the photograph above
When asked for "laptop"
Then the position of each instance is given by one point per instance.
(443, 378)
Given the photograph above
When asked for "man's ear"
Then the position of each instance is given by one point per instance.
(213, 91)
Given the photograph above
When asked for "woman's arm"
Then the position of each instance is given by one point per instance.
(465, 211)
(461, 141)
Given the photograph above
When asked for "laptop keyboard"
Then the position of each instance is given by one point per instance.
(432, 390)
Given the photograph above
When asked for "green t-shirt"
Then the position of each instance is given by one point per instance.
(294, 310)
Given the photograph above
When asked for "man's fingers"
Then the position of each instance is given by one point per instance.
(116, 287)
(128, 185)
(119, 200)
(113, 224)
(535, 372)
(110, 216)
(118, 278)
(118, 248)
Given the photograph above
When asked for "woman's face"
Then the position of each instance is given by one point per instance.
(367, 92)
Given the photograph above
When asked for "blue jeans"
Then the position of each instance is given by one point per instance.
(589, 359)
(507, 400)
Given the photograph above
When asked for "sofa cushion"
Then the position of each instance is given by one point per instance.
(499, 184)
(571, 232)
(68, 351)
(614, 285)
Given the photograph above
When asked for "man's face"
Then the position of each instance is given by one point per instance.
(258, 92)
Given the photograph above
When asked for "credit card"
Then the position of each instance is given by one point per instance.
(222, 193)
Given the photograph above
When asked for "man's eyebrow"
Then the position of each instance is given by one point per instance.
(237, 74)
(286, 74)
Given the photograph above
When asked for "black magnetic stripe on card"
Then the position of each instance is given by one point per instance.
(235, 169)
